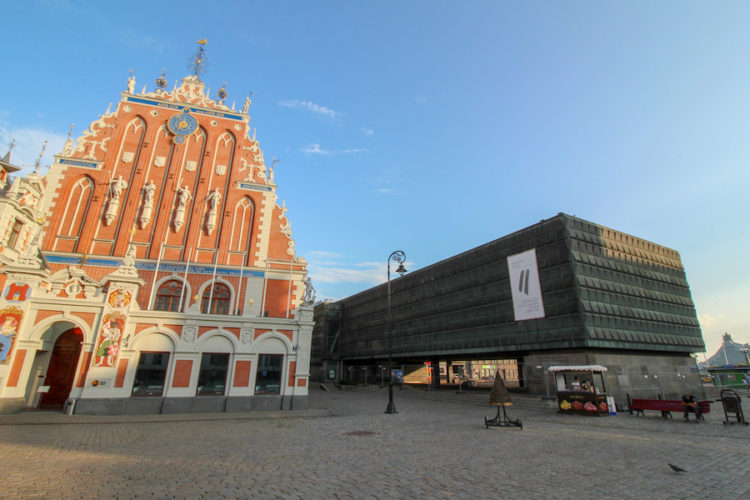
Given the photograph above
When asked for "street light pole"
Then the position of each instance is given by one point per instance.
(400, 257)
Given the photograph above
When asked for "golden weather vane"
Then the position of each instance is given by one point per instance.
(198, 61)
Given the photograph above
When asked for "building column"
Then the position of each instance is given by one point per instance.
(435, 363)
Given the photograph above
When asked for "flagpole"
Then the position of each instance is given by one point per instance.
(184, 280)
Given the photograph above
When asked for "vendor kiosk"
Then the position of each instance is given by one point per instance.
(580, 389)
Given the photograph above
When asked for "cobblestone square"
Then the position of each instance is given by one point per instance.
(344, 446)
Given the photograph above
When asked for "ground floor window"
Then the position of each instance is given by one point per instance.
(268, 378)
(212, 379)
(150, 374)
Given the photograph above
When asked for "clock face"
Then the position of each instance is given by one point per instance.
(182, 124)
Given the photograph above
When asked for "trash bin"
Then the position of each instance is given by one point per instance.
(732, 407)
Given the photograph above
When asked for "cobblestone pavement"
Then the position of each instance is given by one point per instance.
(346, 447)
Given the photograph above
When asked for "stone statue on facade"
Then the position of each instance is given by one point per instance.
(213, 199)
(183, 197)
(115, 192)
(148, 204)
(309, 291)
(129, 260)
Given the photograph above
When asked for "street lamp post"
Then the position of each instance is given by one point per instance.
(400, 257)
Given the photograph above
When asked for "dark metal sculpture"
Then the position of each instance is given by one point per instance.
(499, 397)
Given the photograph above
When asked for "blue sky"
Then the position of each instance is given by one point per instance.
(433, 126)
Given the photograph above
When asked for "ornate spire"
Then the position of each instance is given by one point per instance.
(68, 148)
(38, 161)
(198, 61)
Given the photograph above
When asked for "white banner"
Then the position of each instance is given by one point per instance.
(524, 286)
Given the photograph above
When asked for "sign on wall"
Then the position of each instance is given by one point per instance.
(524, 285)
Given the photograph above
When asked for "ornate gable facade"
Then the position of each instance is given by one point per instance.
(165, 270)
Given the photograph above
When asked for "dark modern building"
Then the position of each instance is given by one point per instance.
(564, 291)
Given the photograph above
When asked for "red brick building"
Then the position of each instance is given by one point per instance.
(165, 277)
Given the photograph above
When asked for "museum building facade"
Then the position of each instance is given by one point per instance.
(152, 269)
(564, 291)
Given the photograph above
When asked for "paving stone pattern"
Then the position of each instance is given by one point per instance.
(344, 446)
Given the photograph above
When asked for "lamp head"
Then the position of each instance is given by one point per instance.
(401, 269)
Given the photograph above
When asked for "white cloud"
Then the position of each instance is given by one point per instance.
(420, 100)
(314, 148)
(367, 132)
(324, 274)
(324, 254)
(335, 279)
(331, 271)
(28, 145)
(311, 107)
(708, 321)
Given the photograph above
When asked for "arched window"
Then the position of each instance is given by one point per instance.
(168, 296)
(76, 207)
(219, 299)
(242, 225)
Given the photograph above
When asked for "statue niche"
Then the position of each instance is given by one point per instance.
(213, 200)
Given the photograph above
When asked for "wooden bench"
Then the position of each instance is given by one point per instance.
(665, 406)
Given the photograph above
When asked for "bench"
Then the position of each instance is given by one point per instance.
(665, 406)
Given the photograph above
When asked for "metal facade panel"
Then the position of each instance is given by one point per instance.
(633, 293)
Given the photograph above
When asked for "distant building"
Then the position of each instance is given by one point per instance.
(730, 366)
(561, 292)
(165, 277)
(730, 353)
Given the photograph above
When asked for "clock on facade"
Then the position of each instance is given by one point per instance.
(182, 125)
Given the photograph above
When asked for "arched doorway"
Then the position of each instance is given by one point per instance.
(62, 369)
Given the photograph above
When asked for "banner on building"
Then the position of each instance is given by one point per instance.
(524, 285)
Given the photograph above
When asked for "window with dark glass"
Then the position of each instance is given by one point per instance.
(168, 296)
(212, 379)
(14, 233)
(216, 299)
(150, 374)
(268, 377)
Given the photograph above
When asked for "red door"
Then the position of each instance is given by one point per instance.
(62, 368)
